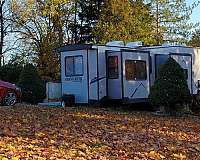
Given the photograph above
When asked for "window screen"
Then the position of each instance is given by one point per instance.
(135, 70)
(74, 66)
(113, 72)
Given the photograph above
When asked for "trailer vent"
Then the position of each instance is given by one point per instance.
(134, 44)
(115, 44)
(168, 44)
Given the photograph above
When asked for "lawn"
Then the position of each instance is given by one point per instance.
(31, 132)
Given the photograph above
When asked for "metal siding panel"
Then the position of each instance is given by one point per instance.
(93, 78)
(102, 74)
(195, 69)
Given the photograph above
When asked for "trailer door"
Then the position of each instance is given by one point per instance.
(136, 73)
(93, 76)
(74, 74)
(185, 61)
(114, 79)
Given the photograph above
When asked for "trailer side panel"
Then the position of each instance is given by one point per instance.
(74, 74)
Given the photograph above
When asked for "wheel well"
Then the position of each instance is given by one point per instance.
(8, 90)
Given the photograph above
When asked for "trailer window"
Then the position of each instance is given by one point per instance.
(135, 70)
(74, 66)
(159, 61)
(113, 72)
(198, 84)
(186, 73)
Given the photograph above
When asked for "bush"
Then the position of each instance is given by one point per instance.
(170, 87)
(10, 72)
(195, 107)
(33, 88)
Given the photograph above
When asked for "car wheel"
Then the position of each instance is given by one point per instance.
(10, 98)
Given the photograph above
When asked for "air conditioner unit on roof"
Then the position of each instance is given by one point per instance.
(115, 43)
(134, 44)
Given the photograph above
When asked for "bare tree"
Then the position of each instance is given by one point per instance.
(7, 38)
(2, 2)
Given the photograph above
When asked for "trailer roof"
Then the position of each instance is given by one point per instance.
(73, 47)
(175, 46)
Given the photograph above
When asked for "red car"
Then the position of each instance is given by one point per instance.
(9, 94)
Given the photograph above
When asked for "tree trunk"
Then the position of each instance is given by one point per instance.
(157, 24)
(2, 31)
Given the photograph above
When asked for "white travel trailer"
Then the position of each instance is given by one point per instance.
(114, 71)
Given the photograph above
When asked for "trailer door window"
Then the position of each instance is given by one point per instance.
(159, 61)
(113, 72)
(74, 66)
(135, 70)
(186, 73)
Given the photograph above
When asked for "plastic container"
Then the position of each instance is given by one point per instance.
(68, 99)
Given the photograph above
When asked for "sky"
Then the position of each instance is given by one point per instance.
(196, 13)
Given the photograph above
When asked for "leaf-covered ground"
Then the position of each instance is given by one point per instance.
(31, 132)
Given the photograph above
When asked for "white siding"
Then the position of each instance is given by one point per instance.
(76, 85)
(93, 81)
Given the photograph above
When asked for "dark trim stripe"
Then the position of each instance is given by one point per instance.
(106, 59)
(88, 76)
(96, 79)
(191, 75)
(180, 54)
(141, 84)
(150, 71)
(97, 56)
(134, 50)
(61, 75)
(73, 47)
(122, 78)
